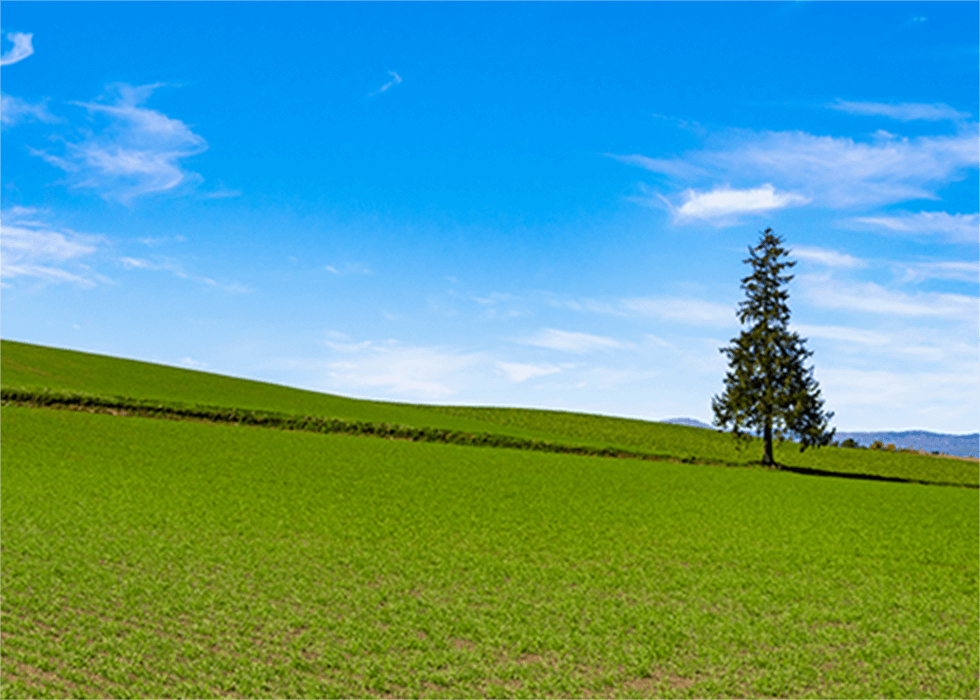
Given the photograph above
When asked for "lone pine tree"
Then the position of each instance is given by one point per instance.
(768, 389)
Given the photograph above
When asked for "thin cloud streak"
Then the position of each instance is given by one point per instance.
(23, 47)
(827, 258)
(845, 334)
(348, 269)
(395, 80)
(919, 344)
(675, 309)
(671, 167)
(963, 228)
(519, 372)
(45, 273)
(570, 341)
(904, 111)
(681, 310)
(222, 194)
(168, 265)
(904, 271)
(137, 264)
(870, 297)
(945, 270)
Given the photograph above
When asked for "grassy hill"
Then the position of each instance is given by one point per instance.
(158, 558)
(206, 558)
(37, 367)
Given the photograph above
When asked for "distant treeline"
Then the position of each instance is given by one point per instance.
(914, 441)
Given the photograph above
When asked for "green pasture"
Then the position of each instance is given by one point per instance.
(154, 558)
(38, 367)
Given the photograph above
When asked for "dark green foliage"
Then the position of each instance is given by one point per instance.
(850, 443)
(890, 447)
(768, 389)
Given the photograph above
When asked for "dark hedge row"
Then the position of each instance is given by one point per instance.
(125, 406)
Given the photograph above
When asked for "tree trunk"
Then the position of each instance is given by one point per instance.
(767, 438)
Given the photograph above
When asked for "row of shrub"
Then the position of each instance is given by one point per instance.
(879, 445)
(125, 406)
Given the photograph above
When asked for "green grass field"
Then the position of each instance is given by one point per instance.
(160, 558)
(33, 366)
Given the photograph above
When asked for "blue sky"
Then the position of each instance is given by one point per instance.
(539, 205)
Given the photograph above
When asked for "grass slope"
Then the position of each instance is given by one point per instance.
(164, 558)
(33, 366)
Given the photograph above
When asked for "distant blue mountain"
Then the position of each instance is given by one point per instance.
(958, 445)
(689, 422)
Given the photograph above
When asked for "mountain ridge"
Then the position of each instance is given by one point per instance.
(967, 445)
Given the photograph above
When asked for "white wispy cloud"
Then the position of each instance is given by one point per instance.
(606, 378)
(172, 266)
(138, 264)
(828, 258)
(494, 298)
(902, 398)
(23, 46)
(348, 269)
(903, 111)
(659, 342)
(845, 334)
(14, 111)
(31, 246)
(723, 204)
(570, 341)
(836, 172)
(222, 194)
(955, 227)
(395, 80)
(153, 242)
(963, 271)
(675, 309)
(519, 372)
(943, 346)
(871, 297)
(414, 372)
(342, 342)
(137, 153)
(672, 167)
(683, 310)
(942, 270)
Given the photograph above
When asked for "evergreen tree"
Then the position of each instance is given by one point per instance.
(768, 390)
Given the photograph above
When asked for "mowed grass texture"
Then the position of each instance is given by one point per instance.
(38, 367)
(162, 558)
